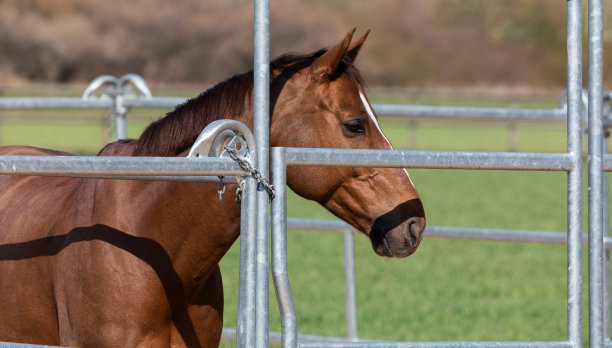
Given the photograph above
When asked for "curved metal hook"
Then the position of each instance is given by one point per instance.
(212, 140)
(119, 86)
(138, 82)
(97, 83)
(607, 105)
(562, 100)
(229, 138)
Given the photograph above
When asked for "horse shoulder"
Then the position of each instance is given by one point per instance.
(31, 205)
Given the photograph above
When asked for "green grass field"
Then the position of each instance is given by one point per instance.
(449, 289)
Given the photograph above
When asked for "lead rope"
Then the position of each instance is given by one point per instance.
(246, 166)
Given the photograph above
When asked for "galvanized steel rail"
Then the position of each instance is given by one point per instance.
(451, 232)
(432, 159)
(391, 110)
(477, 344)
(261, 111)
(595, 162)
(472, 112)
(116, 167)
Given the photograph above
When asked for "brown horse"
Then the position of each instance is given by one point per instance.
(120, 263)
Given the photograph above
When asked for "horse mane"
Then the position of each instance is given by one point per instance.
(178, 130)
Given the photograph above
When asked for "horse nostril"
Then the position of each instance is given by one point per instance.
(415, 229)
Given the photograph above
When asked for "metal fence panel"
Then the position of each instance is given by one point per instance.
(261, 111)
(570, 162)
(574, 178)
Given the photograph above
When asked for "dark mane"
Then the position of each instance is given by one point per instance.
(176, 132)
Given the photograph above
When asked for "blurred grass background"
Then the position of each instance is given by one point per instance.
(449, 289)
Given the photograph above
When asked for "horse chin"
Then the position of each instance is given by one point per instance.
(393, 250)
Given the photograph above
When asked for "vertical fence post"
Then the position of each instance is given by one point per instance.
(574, 180)
(261, 96)
(119, 113)
(245, 327)
(606, 255)
(279, 250)
(595, 144)
(349, 283)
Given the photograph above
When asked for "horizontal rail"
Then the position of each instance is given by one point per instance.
(20, 103)
(431, 159)
(327, 341)
(503, 235)
(461, 112)
(381, 109)
(117, 167)
(453, 232)
(154, 102)
(407, 110)
(470, 112)
(23, 345)
(55, 103)
(480, 344)
(275, 337)
(207, 178)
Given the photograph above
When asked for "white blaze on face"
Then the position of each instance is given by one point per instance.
(368, 108)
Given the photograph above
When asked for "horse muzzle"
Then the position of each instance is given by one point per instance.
(396, 235)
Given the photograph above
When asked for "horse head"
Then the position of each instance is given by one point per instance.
(319, 101)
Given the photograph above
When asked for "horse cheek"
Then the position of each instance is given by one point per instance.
(314, 183)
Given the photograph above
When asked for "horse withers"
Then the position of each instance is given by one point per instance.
(117, 263)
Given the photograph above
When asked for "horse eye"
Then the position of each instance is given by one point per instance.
(356, 126)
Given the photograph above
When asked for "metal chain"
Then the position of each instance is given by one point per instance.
(221, 188)
(239, 192)
(246, 166)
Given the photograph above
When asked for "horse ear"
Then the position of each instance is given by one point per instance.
(353, 51)
(326, 65)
